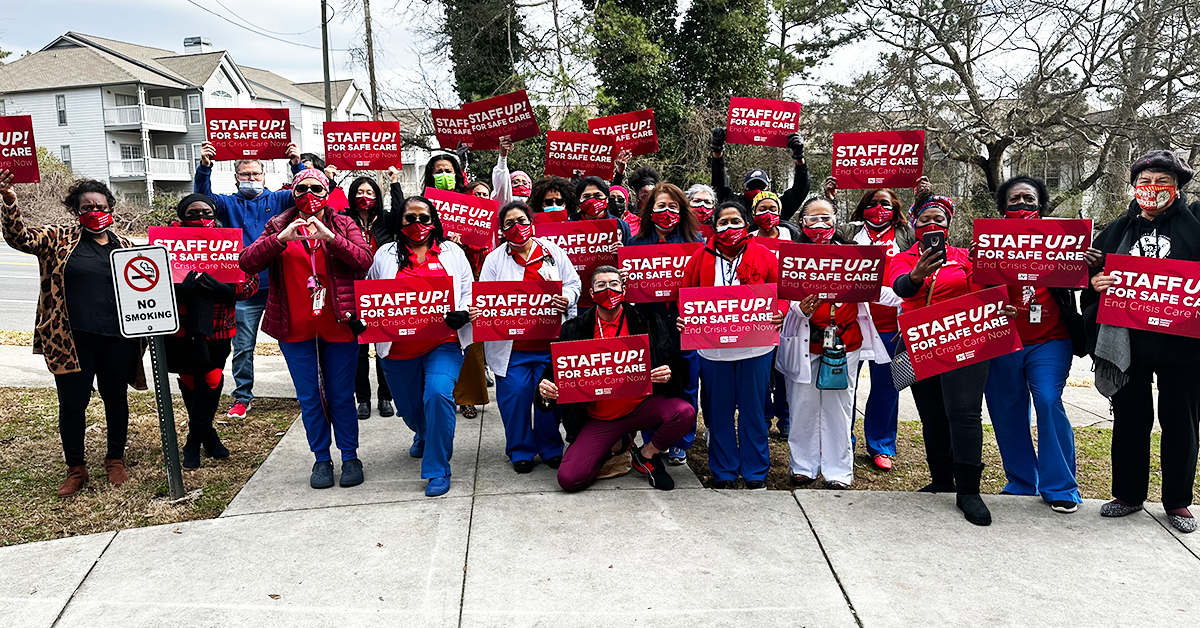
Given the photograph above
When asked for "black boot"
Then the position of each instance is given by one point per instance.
(213, 446)
(941, 476)
(966, 479)
(191, 450)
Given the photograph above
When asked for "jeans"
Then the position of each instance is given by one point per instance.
(729, 388)
(249, 314)
(1039, 370)
(323, 373)
(880, 420)
(427, 404)
(951, 409)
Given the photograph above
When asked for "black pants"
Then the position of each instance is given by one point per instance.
(111, 361)
(951, 409)
(1133, 419)
(362, 379)
(200, 396)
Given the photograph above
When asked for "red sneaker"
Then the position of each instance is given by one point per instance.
(239, 410)
(882, 462)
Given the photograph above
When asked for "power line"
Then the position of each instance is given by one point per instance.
(243, 26)
(234, 13)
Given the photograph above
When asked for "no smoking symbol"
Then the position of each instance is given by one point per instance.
(141, 274)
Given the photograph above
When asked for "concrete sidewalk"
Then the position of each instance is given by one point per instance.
(503, 549)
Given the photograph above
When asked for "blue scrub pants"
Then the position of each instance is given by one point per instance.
(427, 403)
(739, 386)
(1038, 371)
(325, 393)
(527, 432)
(883, 404)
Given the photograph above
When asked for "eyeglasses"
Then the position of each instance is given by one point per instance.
(702, 203)
(424, 219)
(816, 220)
(316, 189)
(83, 209)
(519, 221)
(554, 202)
(615, 284)
(246, 176)
(199, 215)
(595, 195)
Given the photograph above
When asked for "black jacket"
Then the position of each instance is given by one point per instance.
(664, 349)
(791, 199)
(376, 217)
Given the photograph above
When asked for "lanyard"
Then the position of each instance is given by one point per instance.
(727, 278)
(620, 323)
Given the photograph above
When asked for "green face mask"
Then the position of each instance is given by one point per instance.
(444, 180)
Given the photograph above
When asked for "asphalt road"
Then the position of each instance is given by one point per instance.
(18, 289)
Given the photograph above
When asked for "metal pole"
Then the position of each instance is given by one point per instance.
(325, 61)
(166, 416)
(371, 60)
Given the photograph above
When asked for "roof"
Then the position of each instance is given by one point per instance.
(76, 66)
(413, 120)
(195, 68)
(337, 89)
(282, 86)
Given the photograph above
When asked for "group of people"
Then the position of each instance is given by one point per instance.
(306, 245)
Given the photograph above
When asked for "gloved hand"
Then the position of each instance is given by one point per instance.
(456, 320)
(213, 289)
(796, 143)
(189, 282)
(718, 139)
(463, 152)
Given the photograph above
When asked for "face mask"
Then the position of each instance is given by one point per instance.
(1021, 211)
(518, 234)
(555, 208)
(365, 203)
(417, 232)
(766, 220)
(750, 194)
(96, 221)
(522, 191)
(730, 237)
(200, 222)
(665, 219)
(616, 208)
(819, 236)
(703, 214)
(593, 207)
(310, 204)
(933, 226)
(878, 216)
(443, 180)
(250, 189)
(608, 298)
(1154, 197)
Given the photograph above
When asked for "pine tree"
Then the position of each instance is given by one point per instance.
(720, 51)
(485, 40)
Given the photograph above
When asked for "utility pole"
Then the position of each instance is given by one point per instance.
(325, 59)
(371, 60)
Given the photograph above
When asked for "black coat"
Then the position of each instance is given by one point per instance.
(791, 199)
(375, 218)
(664, 350)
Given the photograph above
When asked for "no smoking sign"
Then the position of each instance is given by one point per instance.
(145, 303)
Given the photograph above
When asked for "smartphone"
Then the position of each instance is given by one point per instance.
(935, 240)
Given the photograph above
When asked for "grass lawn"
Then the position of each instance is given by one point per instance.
(32, 468)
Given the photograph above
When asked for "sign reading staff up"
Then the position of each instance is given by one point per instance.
(145, 294)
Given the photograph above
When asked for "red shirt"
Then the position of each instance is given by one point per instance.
(1051, 327)
(952, 280)
(297, 266)
(531, 274)
(845, 316)
(431, 267)
(612, 409)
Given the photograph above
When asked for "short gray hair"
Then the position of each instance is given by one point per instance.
(237, 165)
(700, 187)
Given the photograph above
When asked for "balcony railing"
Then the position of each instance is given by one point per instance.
(156, 117)
(170, 169)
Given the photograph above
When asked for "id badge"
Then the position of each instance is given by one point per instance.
(829, 341)
(318, 301)
(1035, 313)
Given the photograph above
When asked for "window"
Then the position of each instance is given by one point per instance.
(2, 113)
(64, 152)
(317, 127)
(221, 98)
(160, 152)
(1054, 175)
(125, 100)
(60, 103)
(157, 101)
(194, 108)
(131, 151)
(195, 155)
(181, 152)
(176, 102)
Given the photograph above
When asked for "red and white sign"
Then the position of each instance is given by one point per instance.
(362, 145)
(467, 215)
(634, 131)
(516, 310)
(491, 118)
(249, 133)
(202, 249)
(654, 272)
(602, 368)
(761, 122)
(839, 273)
(412, 308)
(18, 152)
(588, 243)
(959, 332)
(1152, 294)
(1046, 252)
(575, 155)
(878, 159)
(724, 317)
(451, 127)
(555, 216)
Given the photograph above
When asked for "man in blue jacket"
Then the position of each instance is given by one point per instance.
(249, 210)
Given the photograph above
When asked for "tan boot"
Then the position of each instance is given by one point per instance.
(76, 478)
(116, 471)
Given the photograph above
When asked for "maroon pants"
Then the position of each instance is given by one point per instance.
(670, 419)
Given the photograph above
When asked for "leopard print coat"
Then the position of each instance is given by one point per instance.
(52, 245)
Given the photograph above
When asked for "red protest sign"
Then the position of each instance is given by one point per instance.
(465, 214)
(761, 122)
(1047, 252)
(556, 216)
(574, 155)
(588, 243)
(959, 332)
(883, 159)
(515, 310)
(362, 145)
(1152, 294)
(18, 152)
(412, 308)
(491, 118)
(634, 131)
(839, 273)
(248, 133)
(202, 249)
(603, 368)
(724, 317)
(451, 127)
(654, 272)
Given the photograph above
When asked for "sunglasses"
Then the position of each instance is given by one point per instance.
(83, 209)
(315, 188)
(520, 221)
(424, 219)
(554, 202)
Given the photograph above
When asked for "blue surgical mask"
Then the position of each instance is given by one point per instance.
(250, 189)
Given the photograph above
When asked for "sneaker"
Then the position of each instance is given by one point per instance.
(239, 410)
(785, 430)
(437, 486)
(756, 485)
(553, 461)
(1063, 506)
(352, 473)
(386, 409)
(364, 410)
(837, 486)
(524, 466)
(417, 449)
(882, 462)
(653, 469)
(491, 381)
(801, 480)
(677, 456)
(1118, 509)
(322, 475)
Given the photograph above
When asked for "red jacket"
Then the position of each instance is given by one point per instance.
(349, 258)
(759, 265)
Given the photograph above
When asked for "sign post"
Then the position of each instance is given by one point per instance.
(146, 308)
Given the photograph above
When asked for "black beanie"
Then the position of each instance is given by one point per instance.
(181, 208)
(1161, 160)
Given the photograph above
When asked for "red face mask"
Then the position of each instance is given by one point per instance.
(1021, 211)
(730, 238)
(593, 207)
(608, 298)
(522, 190)
(518, 234)
(417, 232)
(1154, 197)
(96, 221)
(818, 236)
(310, 204)
(703, 214)
(665, 219)
(878, 215)
(750, 194)
(766, 220)
(365, 203)
(933, 226)
(201, 222)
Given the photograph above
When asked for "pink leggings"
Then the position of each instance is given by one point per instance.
(670, 419)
